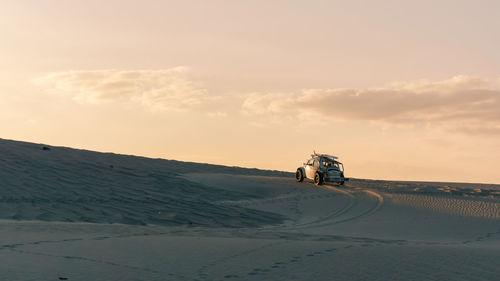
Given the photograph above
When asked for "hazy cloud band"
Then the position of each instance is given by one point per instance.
(464, 104)
(467, 104)
(166, 89)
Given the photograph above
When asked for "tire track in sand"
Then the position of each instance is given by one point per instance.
(336, 213)
(354, 200)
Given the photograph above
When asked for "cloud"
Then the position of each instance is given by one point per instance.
(166, 89)
(467, 104)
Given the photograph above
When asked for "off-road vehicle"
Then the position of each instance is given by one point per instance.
(322, 168)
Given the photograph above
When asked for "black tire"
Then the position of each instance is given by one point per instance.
(299, 176)
(318, 179)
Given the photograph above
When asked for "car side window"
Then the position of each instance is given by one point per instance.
(309, 162)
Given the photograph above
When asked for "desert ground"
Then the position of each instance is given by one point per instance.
(71, 214)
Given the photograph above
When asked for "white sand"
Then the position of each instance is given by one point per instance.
(69, 214)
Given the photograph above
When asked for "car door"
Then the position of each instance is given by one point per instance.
(316, 164)
(310, 169)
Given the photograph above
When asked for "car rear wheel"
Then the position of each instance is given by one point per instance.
(318, 179)
(299, 176)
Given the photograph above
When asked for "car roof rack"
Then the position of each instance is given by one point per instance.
(324, 155)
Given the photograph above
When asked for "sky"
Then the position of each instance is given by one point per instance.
(399, 90)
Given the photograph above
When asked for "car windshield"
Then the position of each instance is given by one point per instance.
(329, 163)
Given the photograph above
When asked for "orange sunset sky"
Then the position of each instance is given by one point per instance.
(403, 90)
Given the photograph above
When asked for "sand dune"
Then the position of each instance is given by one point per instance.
(63, 184)
(84, 215)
